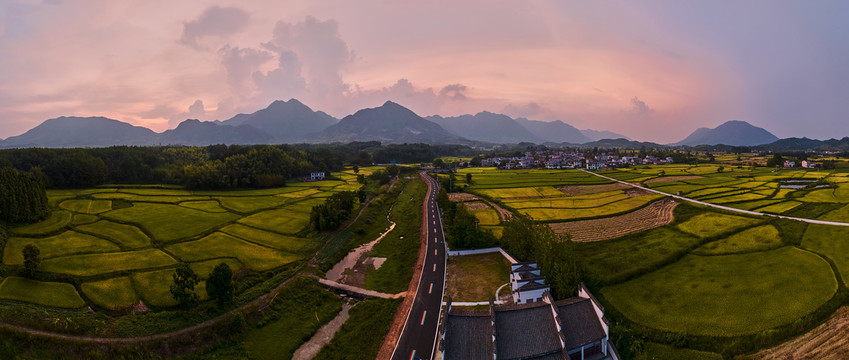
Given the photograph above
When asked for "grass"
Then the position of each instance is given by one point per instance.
(361, 336)
(82, 219)
(66, 243)
(58, 219)
(486, 217)
(780, 208)
(830, 241)
(266, 238)
(53, 294)
(170, 222)
(128, 236)
(401, 246)
(712, 224)
(154, 287)
(219, 245)
(96, 264)
(204, 268)
(615, 260)
(655, 351)
(251, 204)
(759, 238)
(87, 206)
(300, 309)
(727, 295)
(476, 277)
(115, 293)
(614, 208)
(204, 205)
(282, 220)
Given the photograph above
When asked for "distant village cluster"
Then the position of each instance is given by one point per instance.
(573, 160)
(805, 164)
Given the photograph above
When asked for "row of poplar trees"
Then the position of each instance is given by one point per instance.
(22, 197)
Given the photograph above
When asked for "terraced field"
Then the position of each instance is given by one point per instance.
(657, 214)
(120, 244)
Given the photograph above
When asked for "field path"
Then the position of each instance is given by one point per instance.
(727, 208)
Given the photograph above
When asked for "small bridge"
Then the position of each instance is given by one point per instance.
(358, 292)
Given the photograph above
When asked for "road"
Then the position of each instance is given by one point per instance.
(418, 338)
(727, 208)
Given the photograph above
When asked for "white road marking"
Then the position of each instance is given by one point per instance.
(434, 267)
(423, 316)
(430, 289)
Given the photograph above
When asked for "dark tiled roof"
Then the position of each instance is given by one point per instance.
(525, 332)
(524, 267)
(468, 336)
(527, 275)
(532, 285)
(580, 322)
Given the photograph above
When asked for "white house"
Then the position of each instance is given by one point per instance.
(789, 164)
(527, 283)
(808, 164)
(316, 176)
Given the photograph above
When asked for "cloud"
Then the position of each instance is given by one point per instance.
(639, 107)
(240, 65)
(453, 92)
(195, 111)
(215, 21)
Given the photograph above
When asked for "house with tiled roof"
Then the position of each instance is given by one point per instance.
(527, 283)
(568, 329)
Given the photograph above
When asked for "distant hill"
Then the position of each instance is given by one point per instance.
(596, 135)
(285, 121)
(805, 144)
(736, 133)
(193, 132)
(623, 144)
(554, 131)
(486, 126)
(81, 132)
(390, 123)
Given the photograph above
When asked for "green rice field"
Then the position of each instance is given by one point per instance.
(120, 244)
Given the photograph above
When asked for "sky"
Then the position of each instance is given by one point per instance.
(651, 70)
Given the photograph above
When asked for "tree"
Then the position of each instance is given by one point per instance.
(469, 178)
(356, 169)
(32, 257)
(775, 161)
(720, 169)
(219, 286)
(438, 163)
(183, 288)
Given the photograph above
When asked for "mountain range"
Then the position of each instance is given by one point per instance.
(293, 122)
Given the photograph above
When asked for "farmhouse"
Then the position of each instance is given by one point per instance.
(808, 164)
(573, 328)
(789, 164)
(316, 176)
(526, 282)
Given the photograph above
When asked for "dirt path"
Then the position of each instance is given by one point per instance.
(310, 349)
(827, 341)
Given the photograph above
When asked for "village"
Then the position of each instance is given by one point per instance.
(573, 160)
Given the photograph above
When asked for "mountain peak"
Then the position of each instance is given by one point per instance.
(733, 132)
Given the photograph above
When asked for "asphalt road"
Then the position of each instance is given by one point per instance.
(418, 338)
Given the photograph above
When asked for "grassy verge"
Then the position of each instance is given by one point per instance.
(401, 247)
(476, 277)
(361, 336)
(294, 316)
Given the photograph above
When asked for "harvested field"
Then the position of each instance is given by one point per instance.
(827, 341)
(634, 192)
(655, 215)
(476, 205)
(578, 190)
(457, 197)
(672, 178)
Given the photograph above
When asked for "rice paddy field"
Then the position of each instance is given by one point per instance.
(708, 273)
(113, 247)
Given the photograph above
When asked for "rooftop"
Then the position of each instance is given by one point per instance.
(468, 335)
(525, 332)
(580, 323)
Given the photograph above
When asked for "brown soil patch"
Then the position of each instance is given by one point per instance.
(672, 178)
(577, 190)
(476, 205)
(827, 341)
(634, 192)
(457, 197)
(655, 215)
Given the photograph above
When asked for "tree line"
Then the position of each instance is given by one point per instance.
(209, 167)
(23, 198)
